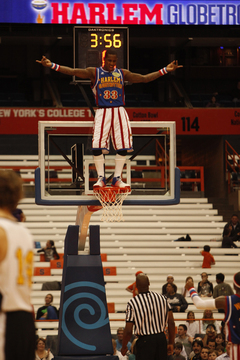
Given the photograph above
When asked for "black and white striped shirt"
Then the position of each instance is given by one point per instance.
(149, 312)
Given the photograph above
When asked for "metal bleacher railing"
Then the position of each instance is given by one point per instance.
(26, 165)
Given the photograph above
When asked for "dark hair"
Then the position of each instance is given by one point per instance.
(178, 345)
(220, 347)
(213, 351)
(190, 312)
(11, 190)
(220, 277)
(51, 242)
(212, 326)
(236, 278)
(110, 52)
(234, 215)
(211, 340)
(198, 342)
(184, 326)
(206, 248)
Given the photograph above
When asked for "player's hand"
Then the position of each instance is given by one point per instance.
(189, 284)
(124, 351)
(173, 66)
(45, 62)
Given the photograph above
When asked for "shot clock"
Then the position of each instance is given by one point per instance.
(90, 43)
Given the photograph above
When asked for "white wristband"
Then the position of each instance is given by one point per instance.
(201, 304)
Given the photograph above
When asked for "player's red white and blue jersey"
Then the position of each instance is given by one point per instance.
(232, 319)
(108, 88)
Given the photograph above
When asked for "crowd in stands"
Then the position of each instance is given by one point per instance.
(195, 340)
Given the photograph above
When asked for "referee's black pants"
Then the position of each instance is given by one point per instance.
(151, 347)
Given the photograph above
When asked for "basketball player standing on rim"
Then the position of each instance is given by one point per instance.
(231, 305)
(107, 84)
(17, 330)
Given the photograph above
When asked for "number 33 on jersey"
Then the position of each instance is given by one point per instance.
(108, 88)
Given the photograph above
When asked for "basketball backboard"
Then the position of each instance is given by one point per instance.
(67, 173)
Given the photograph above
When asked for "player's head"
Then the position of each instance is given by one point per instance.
(236, 282)
(10, 189)
(138, 272)
(110, 60)
(206, 248)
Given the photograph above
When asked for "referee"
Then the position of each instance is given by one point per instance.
(149, 312)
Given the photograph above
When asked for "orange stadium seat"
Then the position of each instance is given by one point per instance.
(56, 264)
(42, 271)
(111, 270)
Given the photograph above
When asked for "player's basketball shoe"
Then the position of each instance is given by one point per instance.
(100, 183)
(117, 182)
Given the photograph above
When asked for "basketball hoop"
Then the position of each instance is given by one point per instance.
(111, 199)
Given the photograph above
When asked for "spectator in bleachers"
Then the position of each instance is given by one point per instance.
(192, 325)
(177, 301)
(205, 287)
(208, 259)
(197, 346)
(184, 339)
(170, 280)
(209, 320)
(220, 350)
(220, 340)
(212, 355)
(48, 311)
(211, 344)
(117, 352)
(50, 252)
(204, 353)
(133, 288)
(185, 292)
(41, 353)
(228, 241)
(226, 355)
(120, 339)
(235, 224)
(19, 215)
(222, 288)
(213, 102)
(177, 351)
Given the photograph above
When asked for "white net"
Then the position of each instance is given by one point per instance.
(111, 200)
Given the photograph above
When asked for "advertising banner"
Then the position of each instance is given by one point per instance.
(167, 12)
(197, 121)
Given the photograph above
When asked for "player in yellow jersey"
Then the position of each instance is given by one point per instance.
(17, 331)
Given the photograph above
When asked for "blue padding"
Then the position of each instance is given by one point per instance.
(79, 202)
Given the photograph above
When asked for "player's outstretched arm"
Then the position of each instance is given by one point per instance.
(88, 73)
(211, 304)
(138, 78)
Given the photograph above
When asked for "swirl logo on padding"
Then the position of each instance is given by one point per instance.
(102, 320)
